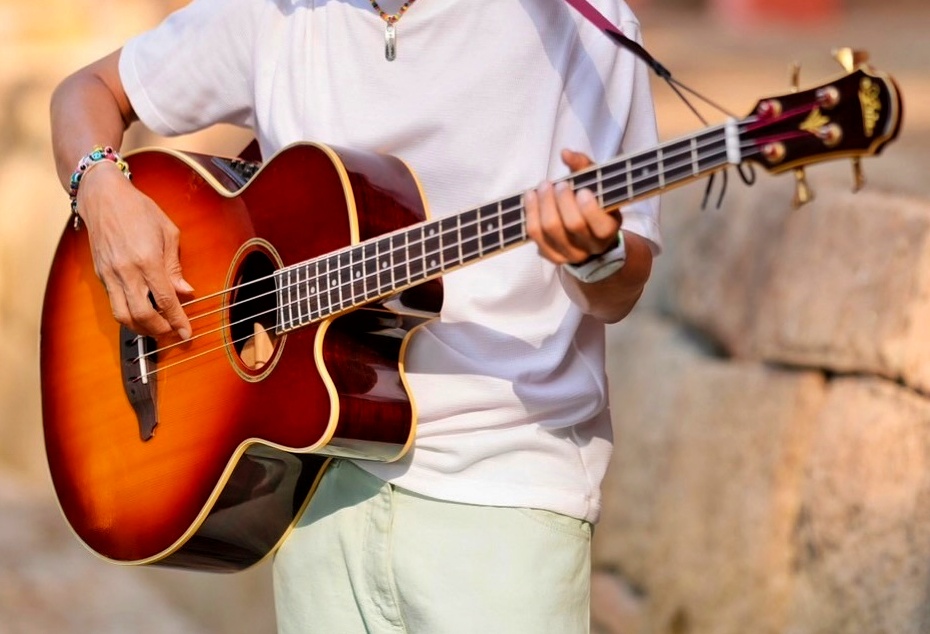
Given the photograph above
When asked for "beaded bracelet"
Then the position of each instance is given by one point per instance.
(98, 155)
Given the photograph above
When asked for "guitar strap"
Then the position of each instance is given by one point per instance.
(585, 8)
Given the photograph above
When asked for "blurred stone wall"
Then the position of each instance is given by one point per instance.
(772, 470)
(770, 391)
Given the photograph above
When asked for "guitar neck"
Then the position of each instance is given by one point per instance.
(379, 267)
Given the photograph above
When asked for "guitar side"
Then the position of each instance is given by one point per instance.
(237, 449)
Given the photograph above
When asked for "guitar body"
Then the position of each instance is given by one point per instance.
(219, 455)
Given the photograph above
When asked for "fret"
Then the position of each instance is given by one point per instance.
(370, 269)
(660, 167)
(432, 248)
(343, 269)
(416, 258)
(280, 280)
(385, 265)
(695, 163)
(489, 219)
(301, 274)
(451, 246)
(630, 189)
(468, 229)
(587, 180)
(644, 175)
(314, 310)
(712, 149)
(399, 258)
(613, 186)
(330, 284)
(513, 221)
(293, 299)
(678, 164)
(356, 277)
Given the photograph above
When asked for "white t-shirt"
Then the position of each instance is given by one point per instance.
(509, 382)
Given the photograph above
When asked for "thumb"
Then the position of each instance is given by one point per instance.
(576, 160)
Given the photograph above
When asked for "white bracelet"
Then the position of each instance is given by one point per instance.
(601, 266)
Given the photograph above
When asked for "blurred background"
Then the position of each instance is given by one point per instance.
(772, 471)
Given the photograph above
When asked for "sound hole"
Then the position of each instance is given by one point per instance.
(253, 311)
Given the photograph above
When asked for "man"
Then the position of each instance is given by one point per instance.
(485, 524)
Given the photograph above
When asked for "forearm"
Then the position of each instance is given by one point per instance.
(612, 299)
(88, 108)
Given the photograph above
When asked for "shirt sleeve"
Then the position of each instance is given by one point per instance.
(194, 69)
(641, 134)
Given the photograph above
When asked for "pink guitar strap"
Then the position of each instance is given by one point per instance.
(585, 8)
(594, 16)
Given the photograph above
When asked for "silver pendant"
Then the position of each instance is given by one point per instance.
(390, 42)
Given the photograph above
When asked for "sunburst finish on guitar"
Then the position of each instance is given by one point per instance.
(220, 451)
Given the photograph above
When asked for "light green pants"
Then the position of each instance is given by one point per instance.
(370, 557)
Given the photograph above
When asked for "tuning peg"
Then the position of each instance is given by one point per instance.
(849, 58)
(858, 176)
(795, 77)
(802, 191)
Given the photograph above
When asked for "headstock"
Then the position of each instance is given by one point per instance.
(854, 115)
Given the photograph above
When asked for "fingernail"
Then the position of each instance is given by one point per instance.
(184, 334)
(185, 286)
(585, 196)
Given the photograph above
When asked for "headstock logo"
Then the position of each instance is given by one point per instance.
(870, 98)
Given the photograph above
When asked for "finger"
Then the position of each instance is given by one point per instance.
(555, 233)
(166, 299)
(118, 304)
(602, 226)
(534, 229)
(173, 261)
(144, 317)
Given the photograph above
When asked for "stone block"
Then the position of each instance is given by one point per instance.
(841, 284)
(703, 490)
(862, 536)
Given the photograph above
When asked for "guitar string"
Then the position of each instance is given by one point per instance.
(742, 126)
(578, 179)
(353, 302)
(688, 152)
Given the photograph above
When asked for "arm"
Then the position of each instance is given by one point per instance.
(569, 228)
(133, 243)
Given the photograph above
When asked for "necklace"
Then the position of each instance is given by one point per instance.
(390, 31)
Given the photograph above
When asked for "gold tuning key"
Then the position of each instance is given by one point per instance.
(802, 191)
(858, 176)
(850, 59)
(795, 77)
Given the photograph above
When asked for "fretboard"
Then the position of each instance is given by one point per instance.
(379, 267)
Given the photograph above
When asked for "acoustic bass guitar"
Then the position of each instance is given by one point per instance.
(312, 270)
